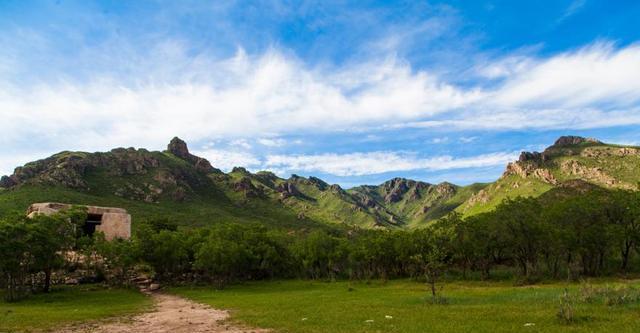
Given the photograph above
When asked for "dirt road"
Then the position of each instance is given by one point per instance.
(172, 314)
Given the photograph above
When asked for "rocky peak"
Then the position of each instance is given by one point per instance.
(287, 189)
(570, 140)
(319, 183)
(446, 188)
(179, 148)
(395, 188)
(535, 156)
(240, 170)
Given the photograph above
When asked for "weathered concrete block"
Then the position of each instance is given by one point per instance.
(113, 222)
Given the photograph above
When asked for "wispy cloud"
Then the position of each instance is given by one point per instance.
(227, 159)
(359, 164)
(272, 142)
(574, 8)
(274, 94)
(246, 96)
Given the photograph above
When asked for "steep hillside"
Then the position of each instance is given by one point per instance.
(571, 161)
(410, 202)
(172, 184)
(188, 188)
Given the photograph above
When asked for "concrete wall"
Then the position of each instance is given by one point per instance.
(115, 222)
(115, 225)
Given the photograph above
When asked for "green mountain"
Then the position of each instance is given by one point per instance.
(571, 162)
(188, 189)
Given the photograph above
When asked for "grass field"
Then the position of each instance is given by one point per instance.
(66, 305)
(304, 306)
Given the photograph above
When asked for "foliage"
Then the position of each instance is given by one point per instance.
(565, 311)
(33, 246)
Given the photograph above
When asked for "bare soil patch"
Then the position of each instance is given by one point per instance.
(171, 314)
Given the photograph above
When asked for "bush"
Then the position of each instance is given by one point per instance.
(608, 295)
(565, 311)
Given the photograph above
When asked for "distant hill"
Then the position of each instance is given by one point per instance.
(187, 188)
(571, 162)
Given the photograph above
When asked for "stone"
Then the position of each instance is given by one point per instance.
(154, 287)
(71, 281)
(179, 148)
(7, 182)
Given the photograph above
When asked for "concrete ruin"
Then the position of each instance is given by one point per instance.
(113, 222)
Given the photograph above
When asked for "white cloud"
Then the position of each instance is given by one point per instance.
(359, 164)
(272, 142)
(574, 8)
(240, 143)
(468, 139)
(598, 76)
(245, 97)
(227, 159)
(440, 140)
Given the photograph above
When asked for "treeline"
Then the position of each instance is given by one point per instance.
(592, 234)
(31, 249)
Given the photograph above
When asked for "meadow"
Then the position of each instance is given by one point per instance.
(404, 306)
(68, 305)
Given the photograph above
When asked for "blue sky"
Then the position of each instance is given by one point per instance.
(352, 91)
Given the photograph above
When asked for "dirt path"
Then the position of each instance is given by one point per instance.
(171, 314)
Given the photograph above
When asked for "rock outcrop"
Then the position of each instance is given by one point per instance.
(179, 148)
(69, 169)
(287, 190)
(570, 140)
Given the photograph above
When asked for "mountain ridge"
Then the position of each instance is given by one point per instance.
(175, 177)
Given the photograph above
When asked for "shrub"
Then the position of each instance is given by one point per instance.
(565, 311)
(609, 295)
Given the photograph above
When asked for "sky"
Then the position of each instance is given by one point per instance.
(354, 92)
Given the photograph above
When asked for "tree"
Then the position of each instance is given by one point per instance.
(520, 220)
(49, 237)
(431, 254)
(623, 212)
(119, 255)
(13, 246)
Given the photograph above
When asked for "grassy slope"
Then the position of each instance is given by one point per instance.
(67, 305)
(205, 204)
(505, 188)
(201, 211)
(463, 193)
(473, 307)
(624, 169)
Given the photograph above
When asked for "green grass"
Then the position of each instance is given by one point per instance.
(66, 305)
(198, 211)
(473, 307)
(504, 188)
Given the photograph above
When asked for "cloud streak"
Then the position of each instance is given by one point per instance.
(274, 94)
(360, 164)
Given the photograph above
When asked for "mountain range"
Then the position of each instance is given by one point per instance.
(179, 185)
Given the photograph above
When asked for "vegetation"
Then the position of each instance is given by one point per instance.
(32, 248)
(547, 226)
(594, 234)
(67, 305)
(399, 306)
